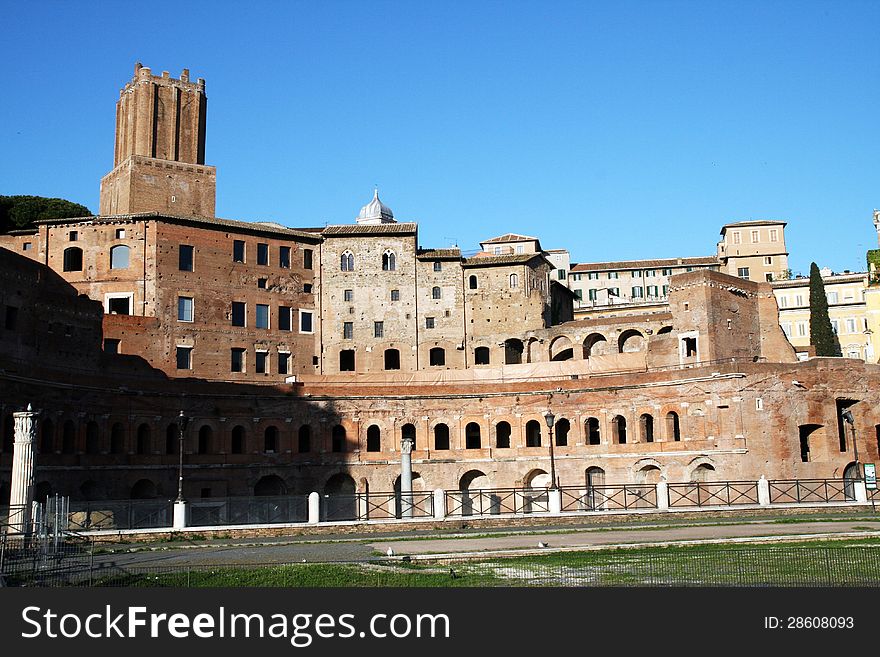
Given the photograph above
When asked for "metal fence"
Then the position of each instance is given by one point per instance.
(812, 490)
(496, 501)
(248, 510)
(722, 493)
(808, 566)
(377, 506)
(609, 498)
(116, 514)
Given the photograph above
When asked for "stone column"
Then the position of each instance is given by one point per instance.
(663, 495)
(406, 504)
(763, 491)
(22, 493)
(439, 504)
(314, 508)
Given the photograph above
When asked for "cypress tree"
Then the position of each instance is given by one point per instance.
(821, 334)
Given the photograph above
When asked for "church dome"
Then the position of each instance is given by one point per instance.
(375, 212)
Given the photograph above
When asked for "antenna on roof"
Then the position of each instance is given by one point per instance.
(454, 240)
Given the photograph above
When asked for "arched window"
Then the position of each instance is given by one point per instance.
(435, 292)
(117, 438)
(408, 431)
(73, 259)
(119, 257)
(206, 433)
(533, 433)
(502, 435)
(346, 261)
(93, 438)
(618, 430)
(441, 437)
(592, 431)
(481, 356)
(563, 426)
(702, 472)
(646, 428)
(389, 261)
(673, 429)
(514, 280)
(304, 439)
(143, 439)
(513, 351)
(472, 436)
(238, 440)
(270, 440)
(472, 282)
(392, 359)
(437, 356)
(337, 439)
(374, 439)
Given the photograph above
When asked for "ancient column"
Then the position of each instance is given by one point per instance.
(406, 504)
(22, 494)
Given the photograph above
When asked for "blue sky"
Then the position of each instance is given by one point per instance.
(615, 129)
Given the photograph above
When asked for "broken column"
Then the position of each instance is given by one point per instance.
(406, 503)
(22, 493)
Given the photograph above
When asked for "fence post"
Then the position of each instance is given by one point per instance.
(554, 501)
(314, 508)
(179, 521)
(439, 504)
(763, 491)
(662, 496)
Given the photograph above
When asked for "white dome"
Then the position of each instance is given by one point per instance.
(375, 212)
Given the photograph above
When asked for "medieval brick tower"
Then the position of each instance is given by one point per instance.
(159, 162)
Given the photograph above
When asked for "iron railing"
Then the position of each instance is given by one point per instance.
(812, 490)
(116, 514)
(377, 506)
(609, 498)
(496, 501)
(248, 510)
(720, 493)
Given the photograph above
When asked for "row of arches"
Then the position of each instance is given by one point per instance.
(347, 261)
(72, 258)
(562, 348)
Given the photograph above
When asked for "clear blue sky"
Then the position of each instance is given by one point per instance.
(616, 129)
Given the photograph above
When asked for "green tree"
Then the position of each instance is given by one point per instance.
(23, 211)
(822, 336)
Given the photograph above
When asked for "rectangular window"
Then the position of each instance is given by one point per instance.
(652, 290)
(774, 235)
(786, 328)
(743, 272)
(593, 276)
(262, 316)
(798, 300)
(261, 362)
(119, 305)
(73, 236)
(638, 293)
(185, 257)
(261, 283)
(262, 253)
(665, 290)
(850, 325)
(348, 330)
(636, 273)
(783, 301)
(120, 233)
(348, 295)
(307, 258)
(111, 345)
(378, 329)
(832, 297)
(437, 265)
(561, 275)
(239, 313)
(429, 322)
(184, 358)
(612, 274)
(579, 295)
(768, 260)
(613, 292)
(284, 257)
(237, 362)
(754, 237)
(307, 288)
(283, 318)
(736, 237)
(27, 246)
(520, 248)
(283, 362)
(835, 326)
(184, 309)
(650, 273)
(238, 251)
(11, 318)
(667, 272)
(395, 295)
(305, 321)
(592, 295)
(768, 277)
(497, 250)
(802, 329)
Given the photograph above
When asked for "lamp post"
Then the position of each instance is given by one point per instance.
(850, 420)
(550, 418)
(182, 421)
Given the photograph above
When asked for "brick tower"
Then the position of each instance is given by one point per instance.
(159, 162)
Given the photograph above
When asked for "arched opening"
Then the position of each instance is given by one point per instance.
(143, 489)
(93, 438)
(649, 474)
(435, 292)
(594, 476)
(703, 472)
(374, 438)
(664, 330)
(630, 341)
(618, 430)
(143, 439)
(117, 438)
(408, 431)
(68, 438)
(595, 344)
(437, 357)
(851, 474)
(119, 257)
(338, 439)
(673, 428)
(304, 439)
(646, 428)
(392, 359)
(472, 282)
(206, 435)
(346, 261)
(89, 490)
(537, 479)
(270, 486)
(441, 437)
(472, 438)
(591, 428)
(594, 497)
(805, 432)
(469, 485)
(481, 356)
(389, 261)
(47, 436)
(239, 437)
(561, 349)
(502, 435)
(73, 259)
(346, 360)
(340, 498)
(563, 426)
(514, 280)
(533, 433)
(172, 439)
(270, 440)
(513, 351)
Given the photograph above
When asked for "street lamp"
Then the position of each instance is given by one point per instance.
(550, 418)
(182, 421)
(850, 420)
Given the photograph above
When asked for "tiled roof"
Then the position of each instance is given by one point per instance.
(372, 229)
(435, 254)
(755, 222)
(491, 260)
(510, 237)
(645, 264)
